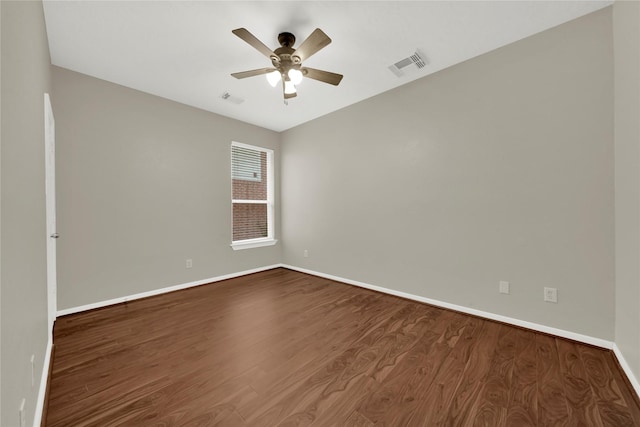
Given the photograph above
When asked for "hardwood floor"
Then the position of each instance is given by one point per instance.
(281, 348)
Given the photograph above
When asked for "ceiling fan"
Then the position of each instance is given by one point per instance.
(287, 61)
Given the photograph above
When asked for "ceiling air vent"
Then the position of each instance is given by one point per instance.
(233, 99)
(414, 62)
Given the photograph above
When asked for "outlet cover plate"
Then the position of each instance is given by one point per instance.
(504, 287)
(551, 295)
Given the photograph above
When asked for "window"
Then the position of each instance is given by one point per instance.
(252, 196)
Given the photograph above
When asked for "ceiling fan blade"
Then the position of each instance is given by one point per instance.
(251, 73)
(316, 41)
(245, 35)
(322, 76)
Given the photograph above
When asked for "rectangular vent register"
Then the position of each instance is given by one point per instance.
(414, 62)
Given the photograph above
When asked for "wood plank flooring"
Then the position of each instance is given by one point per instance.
(282, 348)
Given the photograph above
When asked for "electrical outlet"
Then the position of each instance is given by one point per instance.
(189, 263)
(504, 287)
(306, 253)
(33, 370)
(21, 413)
(551, 295)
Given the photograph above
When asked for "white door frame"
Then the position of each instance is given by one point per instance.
(50, 190)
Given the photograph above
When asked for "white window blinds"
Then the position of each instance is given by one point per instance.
(246, 164)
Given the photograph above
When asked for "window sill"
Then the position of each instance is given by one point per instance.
(253, 243)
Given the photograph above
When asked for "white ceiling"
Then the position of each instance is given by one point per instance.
(185, 51)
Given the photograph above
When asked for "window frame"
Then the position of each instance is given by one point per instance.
(270, 202)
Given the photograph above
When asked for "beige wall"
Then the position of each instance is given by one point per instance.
(25, 78)
(626, 20)
(499, 168)
(143, 184)
(1, 401)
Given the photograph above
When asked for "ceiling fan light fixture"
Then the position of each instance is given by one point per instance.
(295, 76)
(273, 78)
(287, 61)
(289, 87)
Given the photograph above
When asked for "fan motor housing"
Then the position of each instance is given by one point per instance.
(284, 59)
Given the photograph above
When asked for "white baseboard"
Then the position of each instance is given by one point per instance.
(154, 292)
(37, 418)
(492, 316)
(627, 369)
(487, 315)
